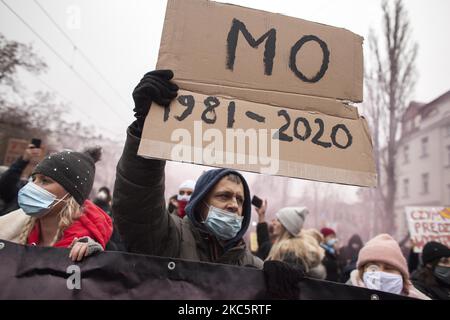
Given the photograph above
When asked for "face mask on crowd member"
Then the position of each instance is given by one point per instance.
(56, 201)
(442, 272)
(220, 205)
(437, 257)
(39, 196)
(223, 224)
(382, 266)
(224, 203)
(330, 240)
(185, 191)
(383, 277)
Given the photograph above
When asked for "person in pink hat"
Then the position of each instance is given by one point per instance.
(382, 266)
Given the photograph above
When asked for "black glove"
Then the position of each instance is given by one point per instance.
(282, 280)
(155, 86)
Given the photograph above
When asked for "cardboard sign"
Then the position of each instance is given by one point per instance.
(428, 224)
(232, 47)
(15, 149)
(273, 82)
(223, 132)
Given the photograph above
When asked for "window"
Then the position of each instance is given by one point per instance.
(424, 146)
(405, 188)
(425, 178)
(406, 154)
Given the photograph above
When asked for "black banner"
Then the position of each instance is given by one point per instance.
(42, 273)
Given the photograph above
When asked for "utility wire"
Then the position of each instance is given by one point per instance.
(64, 61)
(83, 55)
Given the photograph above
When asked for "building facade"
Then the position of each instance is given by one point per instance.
(423, 158)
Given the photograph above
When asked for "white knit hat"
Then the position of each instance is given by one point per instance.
(188, 184)
(292, 218)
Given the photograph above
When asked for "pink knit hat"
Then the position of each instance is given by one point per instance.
(383, 248)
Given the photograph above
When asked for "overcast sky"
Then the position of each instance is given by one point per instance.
(121, 38)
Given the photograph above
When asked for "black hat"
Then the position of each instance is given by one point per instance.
(74, 171)
(433, 251)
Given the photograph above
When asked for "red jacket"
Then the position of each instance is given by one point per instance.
(94, 223)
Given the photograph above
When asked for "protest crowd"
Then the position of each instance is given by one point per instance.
(206, 221)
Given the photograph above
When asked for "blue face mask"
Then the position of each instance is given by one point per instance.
(329, 245)
(331, 242)
(223, 224)
(35, 201)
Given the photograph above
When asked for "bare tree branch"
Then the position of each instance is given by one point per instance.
(390, 80)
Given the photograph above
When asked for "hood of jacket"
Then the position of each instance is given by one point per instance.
(355, 239)
(94, 223)
(206, 183)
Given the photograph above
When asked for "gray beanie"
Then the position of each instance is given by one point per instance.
(292, 218)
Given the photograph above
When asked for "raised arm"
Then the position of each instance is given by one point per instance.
(138, 200)
(9, 180)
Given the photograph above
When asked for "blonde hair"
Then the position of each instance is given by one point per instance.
(67, 215)
(303, 248)
(285, 235)
(315, 234)
(26, 230)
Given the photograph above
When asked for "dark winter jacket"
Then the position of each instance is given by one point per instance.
(330, 263)
(413, 260)
(426, 282)
(115, 243)
(264, 243)
(10, 184)
(146, 227)
(104, 205)
(348, 255)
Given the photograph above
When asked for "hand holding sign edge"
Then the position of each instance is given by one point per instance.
(155, 86)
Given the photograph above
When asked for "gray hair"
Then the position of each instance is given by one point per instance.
(234, 178)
